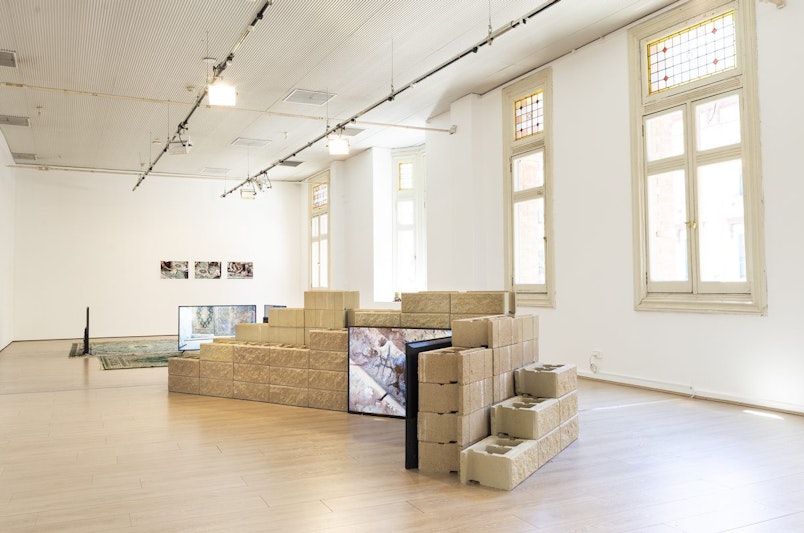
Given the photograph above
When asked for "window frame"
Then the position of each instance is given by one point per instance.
(538, 295)
(316, 213)
(741, 298)
(416, 194)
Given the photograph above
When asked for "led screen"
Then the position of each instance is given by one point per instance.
(202, 323)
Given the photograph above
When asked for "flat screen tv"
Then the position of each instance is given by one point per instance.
(377, 363)
(202, 323)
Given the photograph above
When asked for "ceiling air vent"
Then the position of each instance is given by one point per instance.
(7, 120)
(215, 171)
(351, 132)
(8, 58)
(252, 143)
(301, 96)
(290, 163)
(20, 157)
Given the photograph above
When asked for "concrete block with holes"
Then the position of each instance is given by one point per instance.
(524, 417)
(499, 462)
(546, 380)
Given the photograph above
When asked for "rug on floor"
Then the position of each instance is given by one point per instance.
(140, 353)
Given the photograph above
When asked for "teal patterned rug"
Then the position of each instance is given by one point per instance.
(140, 353)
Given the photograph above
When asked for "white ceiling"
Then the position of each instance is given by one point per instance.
(106, 82)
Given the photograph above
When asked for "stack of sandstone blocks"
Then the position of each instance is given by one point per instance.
(299, 358)
(527, 430)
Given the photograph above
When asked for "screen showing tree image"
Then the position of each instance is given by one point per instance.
(377, 367)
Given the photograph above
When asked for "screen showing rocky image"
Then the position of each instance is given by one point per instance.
(377, 367)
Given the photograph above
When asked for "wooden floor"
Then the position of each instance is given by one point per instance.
(83, 449)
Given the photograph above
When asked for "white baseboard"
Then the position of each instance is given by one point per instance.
(690, 392)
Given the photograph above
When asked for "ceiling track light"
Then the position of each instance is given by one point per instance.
(471, 50)
(217, 71)
(221, 93)
(337, 143)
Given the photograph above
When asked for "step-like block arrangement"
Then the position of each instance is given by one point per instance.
(499, 462)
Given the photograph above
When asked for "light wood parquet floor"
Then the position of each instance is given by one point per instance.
(84, 450)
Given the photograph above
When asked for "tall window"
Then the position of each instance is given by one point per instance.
(319, 233)
(410, 262)
(697, 186)
(526, 142)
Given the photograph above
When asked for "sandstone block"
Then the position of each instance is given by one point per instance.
(256, 392)
(248, 332)
(502, 360)
(253, 354)
(499, 463)
(184, 366)
(326, 399)
(546, 380)
(217, 351)
(523, 417)
(455, 365)
(501, 331)
(289, 377)
(373, 318)
(290, 357)
(216, 370)
(470, 333)
(326, 360)
(530, 327)
(549, 446)
(568, 406)
(185, 384)
(487, 303)
(425, 302)
(517, 356)
(336, 340)
(328, 380)
(425, 320)
(530, 351)
(455, 398)
(437, 457)
(289, 395)
(460, 429)
(569, 431)
(215, 387)
(252, 373)
(503, 386)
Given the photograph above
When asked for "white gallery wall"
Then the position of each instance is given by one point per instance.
(7, 182)
(86, 240)
(751, 359)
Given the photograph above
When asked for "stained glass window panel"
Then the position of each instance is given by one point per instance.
(529, 115)
(405, 176)
(320, 195)
(693, 53)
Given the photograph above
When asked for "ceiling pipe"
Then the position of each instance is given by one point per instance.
(394, 93)
(216, 72)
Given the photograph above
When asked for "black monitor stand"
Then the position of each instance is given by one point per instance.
(412, 351)
(86, 335)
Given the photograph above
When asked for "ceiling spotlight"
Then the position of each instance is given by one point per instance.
(248, 191)
(221, 93)
(337, 144)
